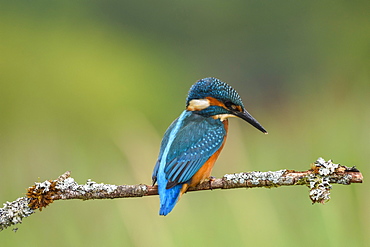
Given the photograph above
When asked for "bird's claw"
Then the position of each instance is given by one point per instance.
(210, 179)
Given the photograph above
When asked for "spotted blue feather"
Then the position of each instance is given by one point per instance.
(196, 140)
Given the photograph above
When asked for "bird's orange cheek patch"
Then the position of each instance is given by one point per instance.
(213, 101)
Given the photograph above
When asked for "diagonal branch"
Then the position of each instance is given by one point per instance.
(319, 179)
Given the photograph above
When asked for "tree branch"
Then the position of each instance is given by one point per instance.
(319, 179)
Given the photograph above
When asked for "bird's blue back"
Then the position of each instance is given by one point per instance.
(187, 144)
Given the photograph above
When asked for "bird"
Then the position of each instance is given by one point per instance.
(193, 142)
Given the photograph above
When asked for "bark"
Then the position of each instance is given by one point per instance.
(319, 179)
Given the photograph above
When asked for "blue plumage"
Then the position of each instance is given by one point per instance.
(187, 144)
(213, 87)
(169, 198)
(194, 138)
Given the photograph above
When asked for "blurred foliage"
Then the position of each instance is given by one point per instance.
(91, 87)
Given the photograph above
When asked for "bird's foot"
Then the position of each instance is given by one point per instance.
(210, 179)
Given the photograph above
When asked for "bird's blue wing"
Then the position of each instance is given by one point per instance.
(196, 141)
(163, 146)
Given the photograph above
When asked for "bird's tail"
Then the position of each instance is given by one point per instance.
(169, 198)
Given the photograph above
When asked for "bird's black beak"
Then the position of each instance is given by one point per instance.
(248, 117)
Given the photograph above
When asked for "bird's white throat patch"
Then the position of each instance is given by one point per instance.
(222, 117)
(198, 104)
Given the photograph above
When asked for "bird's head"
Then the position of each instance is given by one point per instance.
(211, 97)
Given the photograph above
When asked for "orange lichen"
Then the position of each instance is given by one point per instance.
(341, 169)
(314, 168)
(41, 196)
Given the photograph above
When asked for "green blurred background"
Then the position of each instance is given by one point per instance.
(91, 86)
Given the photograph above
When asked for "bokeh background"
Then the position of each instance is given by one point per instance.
(91, 86)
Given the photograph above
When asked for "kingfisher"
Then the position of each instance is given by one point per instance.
(193, 142)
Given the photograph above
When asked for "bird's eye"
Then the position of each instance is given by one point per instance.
(230, 105)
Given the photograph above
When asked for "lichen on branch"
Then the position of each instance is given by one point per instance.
(319, 179)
